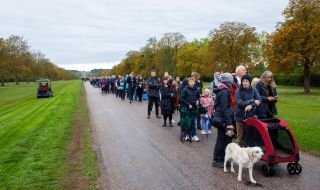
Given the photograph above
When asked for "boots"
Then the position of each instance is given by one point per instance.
(164, 121)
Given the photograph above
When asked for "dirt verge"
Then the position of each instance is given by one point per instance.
(75, 177)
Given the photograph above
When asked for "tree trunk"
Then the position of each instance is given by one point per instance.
(307, 76)
(17, 80)
(2, 81)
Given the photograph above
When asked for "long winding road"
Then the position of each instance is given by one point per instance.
(137, 153)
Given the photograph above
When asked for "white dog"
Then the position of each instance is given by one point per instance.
(243, 157)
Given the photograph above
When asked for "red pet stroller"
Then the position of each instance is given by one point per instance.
(276, 140)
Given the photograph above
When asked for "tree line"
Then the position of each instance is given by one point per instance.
(294, 47)
(19, 63)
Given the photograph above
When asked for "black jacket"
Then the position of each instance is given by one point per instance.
(245, 97)
(223, 111)
(198, 85)
(153, 87)
(131, 82)
(189, 96)
(139, 83)
(166, 98)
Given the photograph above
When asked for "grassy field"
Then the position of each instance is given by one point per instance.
(34, 135)
(302, 112)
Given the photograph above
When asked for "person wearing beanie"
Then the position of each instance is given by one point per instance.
(247, 99)
(223, 118)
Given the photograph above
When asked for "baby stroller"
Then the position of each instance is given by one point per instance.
(276, 140)
(185, 124)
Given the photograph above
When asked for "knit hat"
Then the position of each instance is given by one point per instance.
(227, 77)
(246, 77)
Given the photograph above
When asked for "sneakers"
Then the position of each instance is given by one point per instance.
(204, 132)
(158, 117)
(187, 138)
(195, 138)
(210, 132)
(148, 117)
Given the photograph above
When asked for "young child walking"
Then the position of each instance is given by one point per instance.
(207, 103)
(189, 100)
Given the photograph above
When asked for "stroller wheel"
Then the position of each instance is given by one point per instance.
(291, 168)
(297, 168)
(272, 171)
(268, 170)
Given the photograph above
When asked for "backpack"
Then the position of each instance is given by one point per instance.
(121, 86)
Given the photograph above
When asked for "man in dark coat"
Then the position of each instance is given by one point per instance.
(153, 93)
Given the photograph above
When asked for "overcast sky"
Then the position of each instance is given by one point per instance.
(87, 34)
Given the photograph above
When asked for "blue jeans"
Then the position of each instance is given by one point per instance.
(205, 123)
(193, 121)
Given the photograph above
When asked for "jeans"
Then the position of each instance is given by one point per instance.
(205, 123)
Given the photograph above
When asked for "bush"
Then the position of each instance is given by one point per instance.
(297, 80)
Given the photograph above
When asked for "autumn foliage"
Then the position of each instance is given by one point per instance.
(18, 62)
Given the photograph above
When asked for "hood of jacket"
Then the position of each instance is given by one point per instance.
(220, 87)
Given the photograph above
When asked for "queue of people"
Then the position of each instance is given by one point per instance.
(129, 86)
(225, 106)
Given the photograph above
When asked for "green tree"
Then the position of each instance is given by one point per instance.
(193, 56)
(18, 48)
(169, 45)
(232, 44)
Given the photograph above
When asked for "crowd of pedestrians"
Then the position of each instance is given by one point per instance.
(224, 105)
